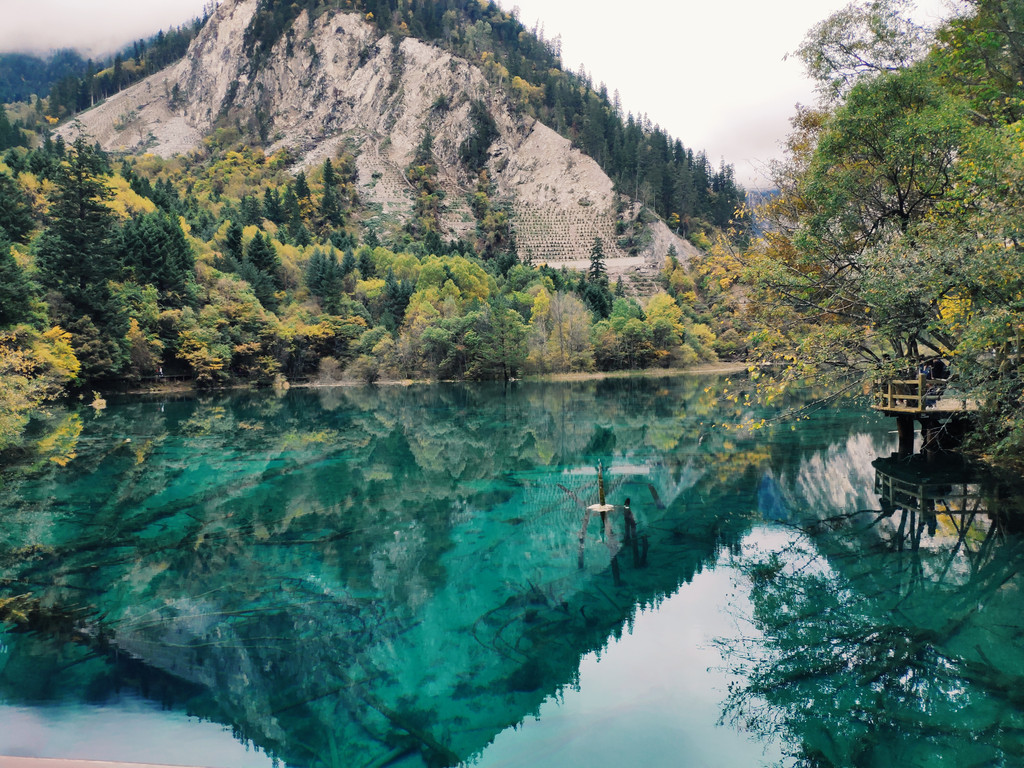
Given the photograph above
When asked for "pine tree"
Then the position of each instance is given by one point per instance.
(233, 245)
(9, 135)
(15, 288)
(323, 276)
(263, 256)
(348, 264)
(366, 268)
(330, 179)
(154, 249)
(75, 255)
(261, 284)
(251, 210)
(330, 210)
(272, 208)
(597, 272)
(76, 258)
(397, 294)
(301, 187)
(291, 212)
(15, 213)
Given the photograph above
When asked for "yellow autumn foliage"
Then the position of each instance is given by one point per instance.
(125, 201)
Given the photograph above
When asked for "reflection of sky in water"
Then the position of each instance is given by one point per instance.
(128, 730)
(653, 697)
(403, 576)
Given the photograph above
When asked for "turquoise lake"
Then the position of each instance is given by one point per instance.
(410, 576)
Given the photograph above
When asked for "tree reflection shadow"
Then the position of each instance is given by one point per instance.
(892, 635)
(384, 577)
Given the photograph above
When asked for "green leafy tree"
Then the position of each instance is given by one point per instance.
(862, 41)
(858, 192)
(896, 233)
(498, 344)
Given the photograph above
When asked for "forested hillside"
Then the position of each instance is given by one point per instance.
(222, 267)
(679, 183)
(897, 235)
(24, 75)
(71, 84)
(226, 265)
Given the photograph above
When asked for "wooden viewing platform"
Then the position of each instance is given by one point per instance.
(918, 396)
(926, 400)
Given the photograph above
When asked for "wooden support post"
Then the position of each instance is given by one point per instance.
(905, 430)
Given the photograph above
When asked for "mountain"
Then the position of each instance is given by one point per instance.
(22, 74)
(336, 82)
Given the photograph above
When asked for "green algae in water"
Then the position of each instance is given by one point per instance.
(397, 576)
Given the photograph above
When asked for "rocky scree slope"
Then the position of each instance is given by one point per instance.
(341, 84)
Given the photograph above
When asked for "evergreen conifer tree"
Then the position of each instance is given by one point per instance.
(154, 249)
(15, 288)
(75, 254)
(76, 258)
(272, 208)
(597, 272)
(301, 187)
(9, 135)
(263, 256)
(348, 263)
(233, 244)
(366, 268)
(15, 213)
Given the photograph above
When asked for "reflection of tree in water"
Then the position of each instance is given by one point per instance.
(879, 644)
(360, 571)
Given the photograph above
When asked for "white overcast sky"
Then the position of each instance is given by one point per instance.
(713, 74)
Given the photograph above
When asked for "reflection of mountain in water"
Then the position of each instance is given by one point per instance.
(361, 579)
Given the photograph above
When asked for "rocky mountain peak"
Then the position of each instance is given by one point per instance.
(339, 84)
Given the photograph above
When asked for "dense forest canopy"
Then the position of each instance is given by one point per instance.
(897, 233)
(221, 266)
(24, 75)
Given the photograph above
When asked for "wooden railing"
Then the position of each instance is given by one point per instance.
(908, 395)
(924, 496)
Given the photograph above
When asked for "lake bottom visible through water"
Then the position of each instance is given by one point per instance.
(652, 697)
(423, 577)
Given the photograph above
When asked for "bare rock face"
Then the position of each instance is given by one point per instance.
(339, 83)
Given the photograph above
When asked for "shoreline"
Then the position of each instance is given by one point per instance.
(704, 369)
